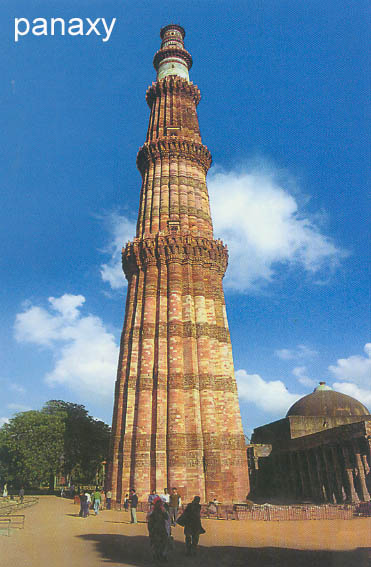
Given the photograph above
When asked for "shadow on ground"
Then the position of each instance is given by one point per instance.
(135, 551)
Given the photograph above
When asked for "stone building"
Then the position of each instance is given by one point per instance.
(319, 452)
(176, 418)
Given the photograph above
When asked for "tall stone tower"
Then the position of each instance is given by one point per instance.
(176, 418)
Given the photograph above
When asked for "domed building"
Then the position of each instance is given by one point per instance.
(320, 452)
(326, 402)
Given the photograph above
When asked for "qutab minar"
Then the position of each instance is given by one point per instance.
(176, 420)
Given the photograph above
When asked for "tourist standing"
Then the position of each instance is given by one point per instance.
(102, 499)
(96, 501)
(191, 520)
(174, 505)
(151, 498)
(88, 501)
(84, 504)
(133, 506)
(81, 498)
(126, 502)
(165, 496)
(5, 491)
(108, 499)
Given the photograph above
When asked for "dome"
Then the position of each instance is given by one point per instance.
(326, 402)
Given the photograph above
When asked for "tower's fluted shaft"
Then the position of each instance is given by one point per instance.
(176, 417)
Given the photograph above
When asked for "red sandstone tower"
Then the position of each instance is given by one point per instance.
(176, 418)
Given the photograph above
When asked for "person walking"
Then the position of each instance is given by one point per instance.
(133, 506)
(191, 521)
(21, 494)
(157, 530)
(96, 501)
(174, 505)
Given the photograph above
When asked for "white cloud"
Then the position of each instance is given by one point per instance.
(364, 396)
(260, 222)
(3, 420)
(255, 214)
(301, 351)
(272, 397)
(122, 229)
(86, 354)
(356, 368)
(301, 374)
(68, 305)
(36, 325)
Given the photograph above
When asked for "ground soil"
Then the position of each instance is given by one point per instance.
(55, 536)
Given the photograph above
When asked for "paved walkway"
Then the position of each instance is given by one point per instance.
(54, 536)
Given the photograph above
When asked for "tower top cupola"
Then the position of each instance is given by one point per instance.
(172, 58)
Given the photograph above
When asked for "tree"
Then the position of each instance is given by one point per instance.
(86, 440)
(31, 445)
(36, 445)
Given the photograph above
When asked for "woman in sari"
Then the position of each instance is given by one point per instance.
(158, 520)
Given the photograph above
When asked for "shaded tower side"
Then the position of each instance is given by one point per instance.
(176, 416)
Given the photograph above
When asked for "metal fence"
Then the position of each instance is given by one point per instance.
(297, 512)
(8, 506)
(270, 512)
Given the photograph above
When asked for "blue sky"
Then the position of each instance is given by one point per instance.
(284, 89)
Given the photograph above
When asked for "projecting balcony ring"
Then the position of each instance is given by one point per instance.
(175, 148)
(172, 52)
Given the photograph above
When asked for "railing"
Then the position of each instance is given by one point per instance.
(17, 521)
(270, 512)
(296, 512)
(8, 506)
(13, 521)
(5, 526)
(9, 518)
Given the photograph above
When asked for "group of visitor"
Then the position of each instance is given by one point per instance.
(163, 514)
(94, 501)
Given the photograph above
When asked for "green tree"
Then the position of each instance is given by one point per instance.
(86, 440)
(31, 445)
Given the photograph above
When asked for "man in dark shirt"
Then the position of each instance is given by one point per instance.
(174, 505)
(133, 506)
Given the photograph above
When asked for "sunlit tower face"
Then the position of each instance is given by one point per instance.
(176, 415)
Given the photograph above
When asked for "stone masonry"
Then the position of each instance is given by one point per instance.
(176, 418)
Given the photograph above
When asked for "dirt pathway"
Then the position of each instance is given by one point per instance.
(54, 536)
